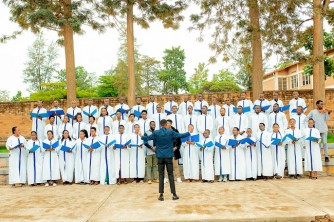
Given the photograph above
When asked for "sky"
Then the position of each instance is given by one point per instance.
(98, 52)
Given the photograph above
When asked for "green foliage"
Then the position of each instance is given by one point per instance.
(198, 78)
(18, 97)
(173, 75)
(284, 64)
(84, 79)
(329, 67)
(105, 87)
(4, 96)
(224, 81)
(148, 70)
(53, 90)
(87, 93)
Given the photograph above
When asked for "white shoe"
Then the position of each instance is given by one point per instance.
(54, 184)
(165, 180)
(225, 179)
(46, 184)
(179, 180)
(220, 179)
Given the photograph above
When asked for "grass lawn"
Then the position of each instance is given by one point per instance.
(3, 149)
(330, 138)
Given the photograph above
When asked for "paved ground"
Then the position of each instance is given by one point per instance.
(277, 200)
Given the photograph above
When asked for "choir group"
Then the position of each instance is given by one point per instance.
(104, 145)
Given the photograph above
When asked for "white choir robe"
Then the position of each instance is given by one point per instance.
(137, 157)
(57, 119)
(93, 161)
(110, 110)
(50, 163)
(247, 103)
(77, 127)
(256, 119)
(190, 161)
(301, 121)
(183, 108)
(168, 106)
(103, 122)
(187, 120)
(177, 122)
(222, 156)
(73, 112)
(53, 128)
(214, 111)
(89, 110)
(34, 163)
(294, 152)
(204, 122)
(88, 126)
(237, 160)
(157, 117)
(122, 157)
(17, 162)
(312, 160)
(125, 107)
(224, 121)
(116, 124)
(240, 121)
(279, 118)
(130, 127)
(229, 110)
(65, 126)
(294, 103)
(262, 104)
(107, 167)
(278, 155)
(144, 125)
(67, 161)
(207, 160)
(264, 157)
(39, 125)
(273, 102)
(81, 161)
(251, 160)
(151, 109)
(138, 108)
(198, 106)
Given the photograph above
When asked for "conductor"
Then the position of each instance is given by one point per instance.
(163, 139)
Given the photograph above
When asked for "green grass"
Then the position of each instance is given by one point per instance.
(330, 138)
(3, 149)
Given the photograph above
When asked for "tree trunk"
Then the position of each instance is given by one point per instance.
(131, 56)
(69, 56)
(318, 53)
(257, 65)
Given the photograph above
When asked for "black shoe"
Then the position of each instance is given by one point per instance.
(326, 159)
(175, 197)
(161, 197)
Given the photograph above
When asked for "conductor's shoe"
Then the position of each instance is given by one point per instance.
(161, 197)
(175, 197)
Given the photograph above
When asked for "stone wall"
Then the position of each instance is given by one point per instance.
(17, 113)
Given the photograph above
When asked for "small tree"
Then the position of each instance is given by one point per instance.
(4, 96)
(198, 78)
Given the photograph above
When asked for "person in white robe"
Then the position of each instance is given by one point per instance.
(275, 100)
(262, 102)
(183, 108)
(240, 120)
(122, 156)
(80, 168)
(214, 109)
(237, 157)
(222, 156)
(151, 107)
(208, 174)
(67, 158)
(35, 161)
(224, 121)
(103, 121)
(58, 117)
(198, 105)
(144, 122)
(65, 125)
(294, 151)
(137, 156)
(278, 152)
(90, 125)
(244, 102)
(295, 102)
(256, 118)
(78, 126)
(130, 125)
(300, 118)
(107, 167)
(312, 162)
(190, 118)
(93, 160)
(89, 110)
(251, 156)
(73, 111)
(50, 172)
(118, 122)
(158, 116)
(190, 157)
(138, 107)
(51, 126)
(17, 162)
(277, 117)
(228, 106)
(169, 104)
(110, 109)
(122, 106)
(38, 122)
(204, 122)
(264, 156)
(177, 119)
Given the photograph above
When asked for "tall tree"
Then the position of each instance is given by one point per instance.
(173, 75)
(41, 65)
(149, 69)
(198, 78)
(105, 87)
(65, 17)
(142, 13)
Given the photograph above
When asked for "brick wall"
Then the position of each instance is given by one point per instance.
(17, 113)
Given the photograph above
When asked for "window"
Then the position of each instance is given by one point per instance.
(294, 81)
(306, 79)
(282, 84)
